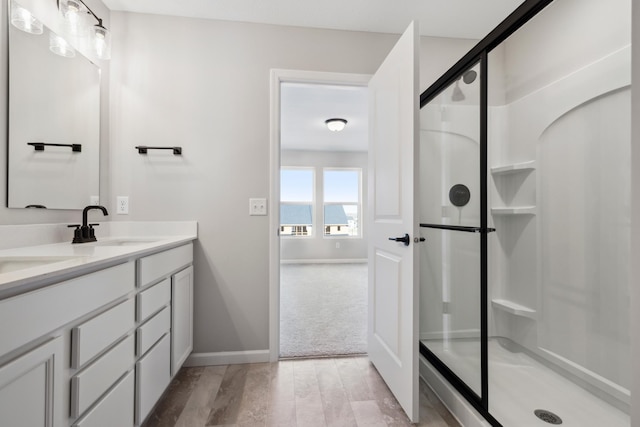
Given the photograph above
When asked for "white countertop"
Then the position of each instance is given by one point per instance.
(66, 260)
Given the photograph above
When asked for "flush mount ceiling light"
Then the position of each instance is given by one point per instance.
(73, 11)
(335, 125)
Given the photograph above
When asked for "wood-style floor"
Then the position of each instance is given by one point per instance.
(303, 392)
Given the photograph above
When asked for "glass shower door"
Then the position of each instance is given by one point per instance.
(450, 221)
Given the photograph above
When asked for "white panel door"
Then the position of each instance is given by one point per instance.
(393, 290)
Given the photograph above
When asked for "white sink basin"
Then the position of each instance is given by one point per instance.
(125, 242)
(9, 264)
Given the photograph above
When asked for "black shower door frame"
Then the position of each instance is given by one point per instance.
(479, 54)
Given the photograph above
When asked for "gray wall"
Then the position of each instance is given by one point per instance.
(319, 247)
(205, 85)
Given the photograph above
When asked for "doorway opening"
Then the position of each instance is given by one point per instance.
(319, 186)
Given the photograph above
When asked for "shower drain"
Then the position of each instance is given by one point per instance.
(547, 416)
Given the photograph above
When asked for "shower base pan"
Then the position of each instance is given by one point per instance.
(520, 385)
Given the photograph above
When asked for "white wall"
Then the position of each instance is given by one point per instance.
(566, 36)
(204, 85)
(47, 12)
(319, 247)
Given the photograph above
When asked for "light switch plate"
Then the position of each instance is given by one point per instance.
(257, 206)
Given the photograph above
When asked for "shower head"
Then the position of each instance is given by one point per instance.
(469, 76)
(457, 94)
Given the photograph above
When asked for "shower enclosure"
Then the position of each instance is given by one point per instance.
(525, 207)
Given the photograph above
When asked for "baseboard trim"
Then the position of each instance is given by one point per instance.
(227, 358)
(325, 261)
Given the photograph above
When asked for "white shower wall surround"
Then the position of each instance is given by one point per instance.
(568, 263)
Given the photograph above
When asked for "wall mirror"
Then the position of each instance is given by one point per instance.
(54, 119)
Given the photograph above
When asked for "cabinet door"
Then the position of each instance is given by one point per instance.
(152, 378)
(181, 318)
(31, 388)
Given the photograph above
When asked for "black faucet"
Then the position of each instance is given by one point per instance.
(85, 233)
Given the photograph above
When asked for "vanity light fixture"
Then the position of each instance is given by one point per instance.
(73, 11)
(335, 125)
(23, 20)
(60, 46)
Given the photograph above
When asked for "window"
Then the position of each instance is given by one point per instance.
(296, 201)
(342, 205)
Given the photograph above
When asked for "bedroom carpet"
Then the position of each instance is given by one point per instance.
(323, 309)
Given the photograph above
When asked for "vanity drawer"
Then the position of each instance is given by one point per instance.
(61, 303)
(153, 299)
(149, 333)
(152, 377)
(115, 409)
(154, 267)
(91, 383)
(93, 336)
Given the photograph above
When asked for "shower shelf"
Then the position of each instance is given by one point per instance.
(513, 308)
(513, 168)
(514, 210)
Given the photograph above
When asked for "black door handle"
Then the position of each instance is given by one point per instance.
(406, 239)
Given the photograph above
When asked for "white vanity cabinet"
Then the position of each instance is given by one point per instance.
(99, 349)
(34, 331)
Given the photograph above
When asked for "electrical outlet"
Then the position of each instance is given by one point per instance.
(94, 200)
(122, 205)
(257, 206)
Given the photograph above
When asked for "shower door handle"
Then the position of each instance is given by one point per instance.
(406, 239)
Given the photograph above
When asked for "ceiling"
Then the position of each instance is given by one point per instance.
(305, 107)
(441, 18)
